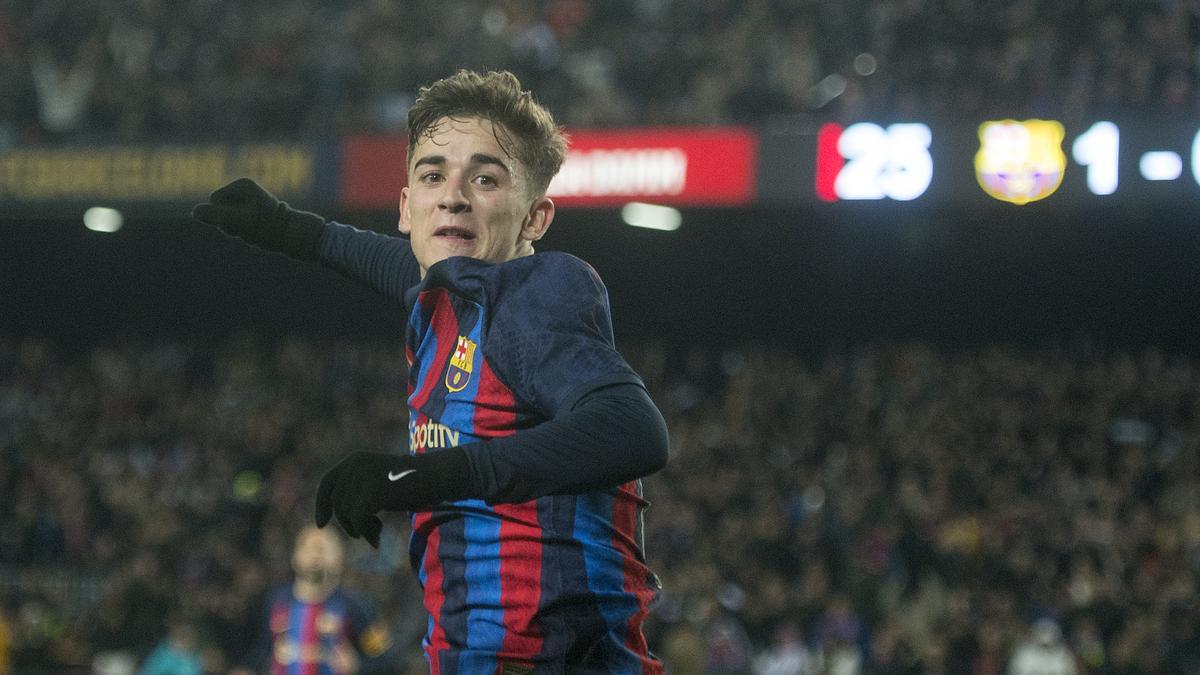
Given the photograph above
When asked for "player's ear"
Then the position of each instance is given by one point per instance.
(541, 212)
(405, 216)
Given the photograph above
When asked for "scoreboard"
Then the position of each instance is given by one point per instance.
(1013, 161)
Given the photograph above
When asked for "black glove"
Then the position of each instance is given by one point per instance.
(366, 483)
(246, 210)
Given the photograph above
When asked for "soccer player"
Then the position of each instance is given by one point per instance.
(528, 432)
(313, 625)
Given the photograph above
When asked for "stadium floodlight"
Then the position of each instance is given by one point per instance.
(651, 216)
(865, 64)
(101, 219)
(829, 88)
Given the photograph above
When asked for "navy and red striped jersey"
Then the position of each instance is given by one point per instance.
(305, 638)
(555, 583)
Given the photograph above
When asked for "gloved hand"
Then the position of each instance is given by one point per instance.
(366, 483)
(246, 210)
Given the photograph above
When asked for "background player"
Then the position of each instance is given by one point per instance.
(529, 430)
(313, 625)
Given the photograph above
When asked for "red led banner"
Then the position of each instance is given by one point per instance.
(373, 171)
(702, 166)
(713, 166)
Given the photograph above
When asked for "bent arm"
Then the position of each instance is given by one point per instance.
(610, 436)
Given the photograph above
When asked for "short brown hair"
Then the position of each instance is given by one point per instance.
(525, 129)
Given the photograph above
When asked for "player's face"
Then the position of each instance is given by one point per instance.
(318, 554)
(466, 196)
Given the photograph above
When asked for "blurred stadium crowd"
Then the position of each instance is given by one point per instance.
(137, 69)
(885, 509)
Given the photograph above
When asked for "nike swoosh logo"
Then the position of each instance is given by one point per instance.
(398, 476)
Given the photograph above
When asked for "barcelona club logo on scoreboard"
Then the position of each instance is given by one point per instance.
(458, 375)
(1020, 162)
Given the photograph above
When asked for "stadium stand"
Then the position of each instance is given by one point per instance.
(901, 507)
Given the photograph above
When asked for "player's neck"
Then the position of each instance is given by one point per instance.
(307, 591)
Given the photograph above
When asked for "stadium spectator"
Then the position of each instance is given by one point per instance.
(65, 87)
(178, 654)
(787, 655)
(1043, 652)
(6, 639)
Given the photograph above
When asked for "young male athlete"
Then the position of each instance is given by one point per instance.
(528, 431)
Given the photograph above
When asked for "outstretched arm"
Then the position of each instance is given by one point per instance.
(384, 263)
(244, 209)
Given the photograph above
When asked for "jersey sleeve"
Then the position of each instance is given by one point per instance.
(384, 263)
(371, 637)
(612, 435)
(552, 334)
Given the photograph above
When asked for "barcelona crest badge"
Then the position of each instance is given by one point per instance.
(458, 375)
(1020, 162)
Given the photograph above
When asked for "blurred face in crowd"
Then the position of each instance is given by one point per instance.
(318, 556)
(467, 196)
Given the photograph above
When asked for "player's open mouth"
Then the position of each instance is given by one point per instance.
(454, 233)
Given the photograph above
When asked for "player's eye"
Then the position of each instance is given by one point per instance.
(431, 177)
(486, 180)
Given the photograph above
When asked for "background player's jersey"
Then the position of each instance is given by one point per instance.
(494, 349)
(302, 638)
